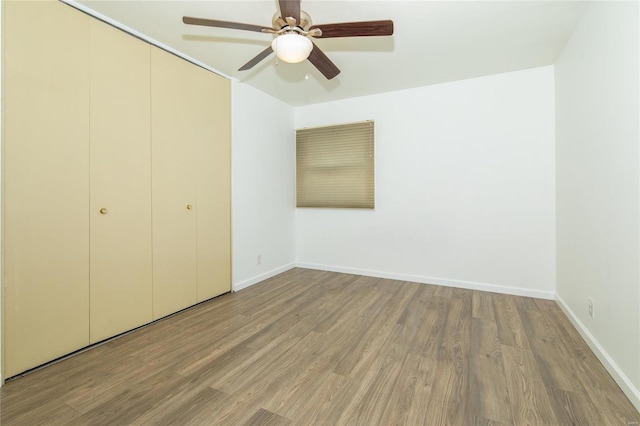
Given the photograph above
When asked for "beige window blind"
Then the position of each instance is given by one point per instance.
(335, 166)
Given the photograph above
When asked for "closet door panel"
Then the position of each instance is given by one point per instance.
(173, 91)
(46, 183)
(121, 268)
(214, 186)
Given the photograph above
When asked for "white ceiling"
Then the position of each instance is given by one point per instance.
(434, 41)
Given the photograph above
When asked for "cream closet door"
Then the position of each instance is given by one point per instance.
(120, 213)
(213, 184)
(174, 94)
(46, 183)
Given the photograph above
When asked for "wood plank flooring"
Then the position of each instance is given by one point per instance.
(320, 348)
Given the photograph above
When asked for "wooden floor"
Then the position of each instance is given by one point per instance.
(320, 348)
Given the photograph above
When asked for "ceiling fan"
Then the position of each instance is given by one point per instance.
(292, 28)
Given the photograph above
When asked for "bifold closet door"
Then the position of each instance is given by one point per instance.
(46, 182)
(213, 184)
(120, 212)
(174, 92)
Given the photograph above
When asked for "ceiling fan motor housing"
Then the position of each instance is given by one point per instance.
(279, 22)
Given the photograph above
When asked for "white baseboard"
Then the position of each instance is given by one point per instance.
(470, 285)
(618, 375)
(266, 275)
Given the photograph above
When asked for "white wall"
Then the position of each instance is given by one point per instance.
(263, 185)
(598, 187)
(465, 187)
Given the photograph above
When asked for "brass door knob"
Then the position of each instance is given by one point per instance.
(189, 207)
(104, 211)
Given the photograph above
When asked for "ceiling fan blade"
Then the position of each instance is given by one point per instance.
(323, 63)
(356, 29)
(224, 24)
(290, 9)
(259, 57)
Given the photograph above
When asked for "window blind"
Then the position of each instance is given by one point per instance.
(335, 166)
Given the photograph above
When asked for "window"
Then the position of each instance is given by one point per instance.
(334, 166)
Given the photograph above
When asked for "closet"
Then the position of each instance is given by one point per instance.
(45, 183)
(116, 183)
(191, 244)
(120, 178)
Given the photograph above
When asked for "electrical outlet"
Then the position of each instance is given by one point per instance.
(591, 308)
(259, 259)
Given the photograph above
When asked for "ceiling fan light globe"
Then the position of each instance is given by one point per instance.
(292, 48)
